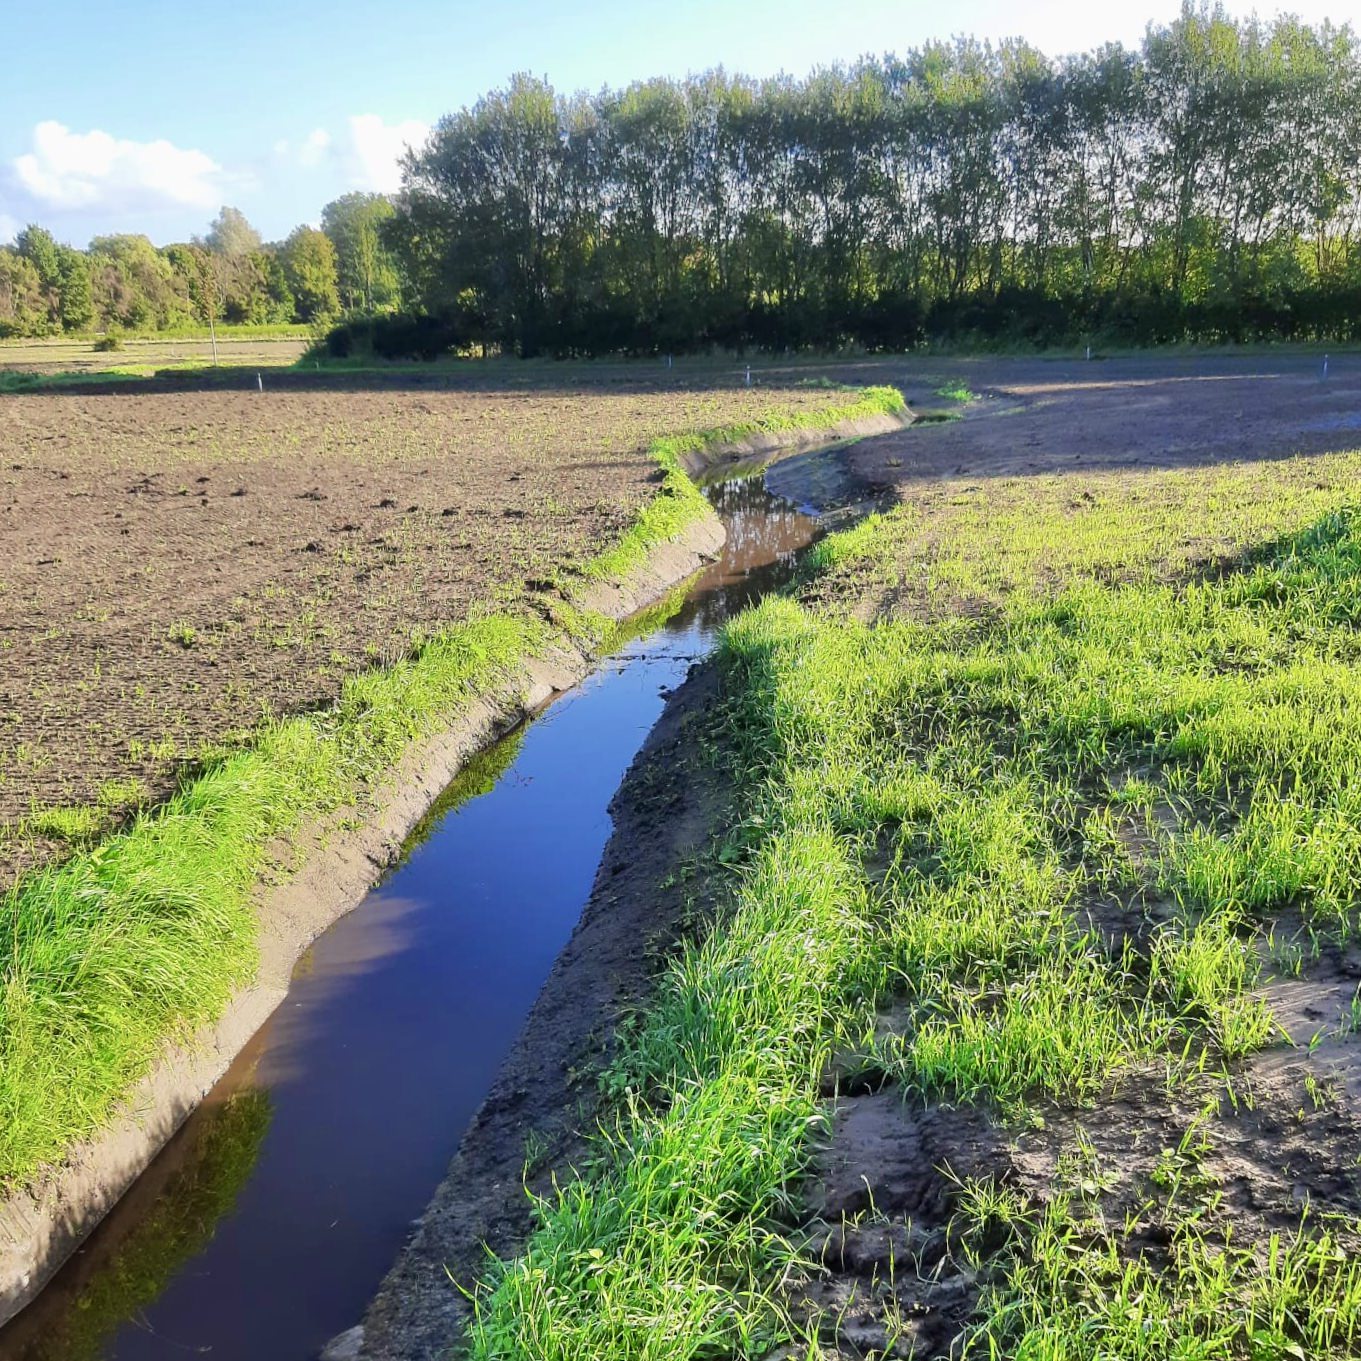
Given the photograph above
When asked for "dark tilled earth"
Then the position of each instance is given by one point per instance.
(177, 560)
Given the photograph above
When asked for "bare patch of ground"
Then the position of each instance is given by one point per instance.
(896, 1271)
(178, 563)
(1036, 416)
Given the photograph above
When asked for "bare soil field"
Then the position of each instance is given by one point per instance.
(49, 357)
(178, 564)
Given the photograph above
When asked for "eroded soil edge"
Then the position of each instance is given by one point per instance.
(336, 865)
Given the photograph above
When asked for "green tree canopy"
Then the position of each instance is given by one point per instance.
(367, 272)
(309, 267)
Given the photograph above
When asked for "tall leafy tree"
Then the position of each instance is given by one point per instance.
(23, 311)
(367, 275)
(1205, 185)
(309, 269)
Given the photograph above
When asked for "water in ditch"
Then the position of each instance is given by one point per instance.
(268, 1222)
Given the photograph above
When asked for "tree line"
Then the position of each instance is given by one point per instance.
(1204, 186)
(229, 275)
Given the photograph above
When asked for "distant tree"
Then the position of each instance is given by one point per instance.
(490, 192)
(309, 266)
(39, 247)
(77, 298)
(366, 268)
(23, 310)
(135, 285)
(241, 266)
(200, 272)
(279, 303)
(230, 234)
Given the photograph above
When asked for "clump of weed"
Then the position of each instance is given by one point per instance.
(76, 825)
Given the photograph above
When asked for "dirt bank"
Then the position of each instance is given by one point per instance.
(335, 866)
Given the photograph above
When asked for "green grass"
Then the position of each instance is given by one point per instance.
(146, 936)
(1071, 1288)
(226, 331)
(938, 808)
(138, 939)
(12, 381)
(680, 502)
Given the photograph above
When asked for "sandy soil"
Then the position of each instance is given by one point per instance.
(1149, 411)
(177, 560)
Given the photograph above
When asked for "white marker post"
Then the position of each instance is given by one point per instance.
(1325, 368)
(260, 381)
(748, 375)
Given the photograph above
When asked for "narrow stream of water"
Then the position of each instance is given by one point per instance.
(267, 1223)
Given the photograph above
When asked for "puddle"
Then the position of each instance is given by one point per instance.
(265, 1226)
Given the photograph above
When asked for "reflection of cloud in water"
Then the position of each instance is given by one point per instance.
(356, 945)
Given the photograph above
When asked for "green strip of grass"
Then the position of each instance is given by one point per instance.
(147, 935)
(141, 938)
(932, 812)
(679, 502)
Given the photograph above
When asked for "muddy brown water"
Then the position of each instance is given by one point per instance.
(266, 1224)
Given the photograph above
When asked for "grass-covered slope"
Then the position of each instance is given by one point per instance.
(133, 942)
(1027, 841)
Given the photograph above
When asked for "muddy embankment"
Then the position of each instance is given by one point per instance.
(333, 867)
(658, 879)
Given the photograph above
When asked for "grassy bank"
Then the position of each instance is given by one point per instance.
(1033, 842)
(680, 501)
(136, 941)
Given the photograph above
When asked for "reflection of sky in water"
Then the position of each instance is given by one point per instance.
(401, 1013)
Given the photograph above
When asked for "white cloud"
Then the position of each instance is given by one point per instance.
(315, 147)
(69, 169)
(9, 228)
(376, 149)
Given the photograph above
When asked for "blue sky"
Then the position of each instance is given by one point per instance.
(147, 116)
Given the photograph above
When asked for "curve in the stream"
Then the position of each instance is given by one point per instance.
(268, 1221)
